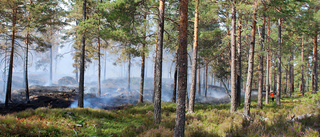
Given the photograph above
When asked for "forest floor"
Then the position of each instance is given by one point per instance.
(54, 97)
(49, 114)
(67, 96)
(40, 96)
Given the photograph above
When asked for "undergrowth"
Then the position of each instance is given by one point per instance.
(208, 120)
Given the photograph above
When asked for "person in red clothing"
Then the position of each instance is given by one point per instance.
(272, 96)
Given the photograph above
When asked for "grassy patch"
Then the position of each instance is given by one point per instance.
(208, 120)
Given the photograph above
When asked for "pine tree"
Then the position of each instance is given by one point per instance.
(183, 67)
(82, 59)
(250, 64)
(158, 65)
(233, 60)
(260, 69)
(194, 59)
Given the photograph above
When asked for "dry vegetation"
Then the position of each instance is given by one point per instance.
(298, 116)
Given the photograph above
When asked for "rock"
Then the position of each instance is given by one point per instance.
(67, 80)
(295, 118)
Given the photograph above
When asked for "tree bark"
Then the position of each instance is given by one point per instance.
(292, 74)
(279, 65)
(239, 67)
(288, 69)
(247, 102)
(274, 74)
(142, 76)
(99, 60)
(158, 65)
(194, 59)
(99, 65)
(247, 49)
(315, 59)
(302, 65)
(26, 69)
(183, 69)
(143, 60)
(260, 68)
(174, 93)
(233, 106)
(154, 72)
(50, 77)
(268, 79)
(9, 82)
(307, 73)
(82, 61)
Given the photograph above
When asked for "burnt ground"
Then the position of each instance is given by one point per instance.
(112, 98)
(55, 97)
(40, 96)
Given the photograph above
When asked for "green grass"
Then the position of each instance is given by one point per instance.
(208, 120)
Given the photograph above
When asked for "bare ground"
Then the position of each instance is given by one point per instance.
(53, 97)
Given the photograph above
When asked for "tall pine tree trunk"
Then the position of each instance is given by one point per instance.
(307, 73)
(194, 59)
(50, 77)
(99, 60)
(9, 82)
(302, 65)
(247, 50)
(99, 65)
(26, 69)
(315, 59)
(174, 92)
(82, 63)
(279, 65)
(76, 66)
(288, 74)
(233, 106)
(274, 74)
(183, 69)
(158, 65)
(247, 101)
(99, 69)
(268, 67)
(204, 79)
(239, 67)
(155, 71)
(260, 68)
(26, 61)
(143, 58)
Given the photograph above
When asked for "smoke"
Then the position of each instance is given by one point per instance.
(113, 77)
(91, 102)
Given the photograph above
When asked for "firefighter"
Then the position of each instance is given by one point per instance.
(272, 96)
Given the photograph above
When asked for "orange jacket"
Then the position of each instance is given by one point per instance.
(272, 95)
